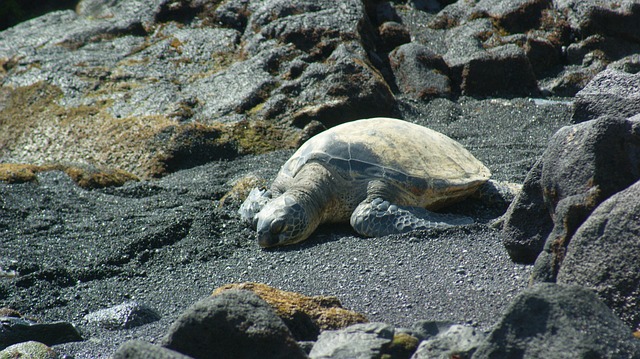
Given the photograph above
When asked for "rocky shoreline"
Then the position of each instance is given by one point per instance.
(130, 131)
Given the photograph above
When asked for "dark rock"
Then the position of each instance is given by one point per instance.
(563, 189)
(345, 87)
(426, 329)
(306, 345)
(465, 43)
(619, 19)
(29, 350)
(512, 16)
(572, 79)
(392, 35)
(137, 349)
(17, 330)
(233, 14)
(419, 72)
(357, 341)
(527, 222)
(603, 254)
(304, 316)
(234, 324)
(516, 16)
(381, 12)
(13, 12)
(629, 64)
(542, 54)
(612, 93)
(504, 70)
(584, 165)
(552, 321)
(453, 341)
(123, 316)
(606, 47)
(426, 5)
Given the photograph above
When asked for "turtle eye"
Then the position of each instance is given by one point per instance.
(277, 226)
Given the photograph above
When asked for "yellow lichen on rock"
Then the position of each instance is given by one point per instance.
(295, 309)
(85, 177)
(18, 172)
(91, 178)
(403, 345)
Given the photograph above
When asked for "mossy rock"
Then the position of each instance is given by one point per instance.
(34, 129)
(85, 177)
(305, 316)
(403, 345)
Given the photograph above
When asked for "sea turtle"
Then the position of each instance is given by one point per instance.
(383, 175)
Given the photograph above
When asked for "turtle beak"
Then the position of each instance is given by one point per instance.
(266, 239)
(269, 233)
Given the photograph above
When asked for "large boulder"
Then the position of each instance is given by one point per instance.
(233, 324)
(583, 165)
(304, 316)
(123, 316)
(29, 350)
(620, 18)
(419, 72)
(367, 340)
(553, 321)
(138, 349)
(612, 93)
(513, 16)
(15, 330)
(604, 254)
(503, 70)
(451, 341)
(527, 222)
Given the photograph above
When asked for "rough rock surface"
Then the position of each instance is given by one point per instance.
(366, 340)
(527, 222)
(610, 93)
(586, 164)
(141, 349)
(419, 72)
(501, 71)
(603, 255)
(233, 324)
(454, 341)
(29, 350)
(583, 165)
(122, 316)
(551, 320)
(16, 330)
(304, 316)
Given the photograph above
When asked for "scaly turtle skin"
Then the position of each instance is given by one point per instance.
(382, 175)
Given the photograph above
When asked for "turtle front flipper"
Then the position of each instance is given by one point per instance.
(254, 203)
(378, 217)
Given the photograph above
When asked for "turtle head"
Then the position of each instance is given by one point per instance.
(283, 221)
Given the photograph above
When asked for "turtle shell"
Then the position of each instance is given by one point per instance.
(424, 162)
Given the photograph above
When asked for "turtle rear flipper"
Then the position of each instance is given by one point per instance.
(378, 217)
